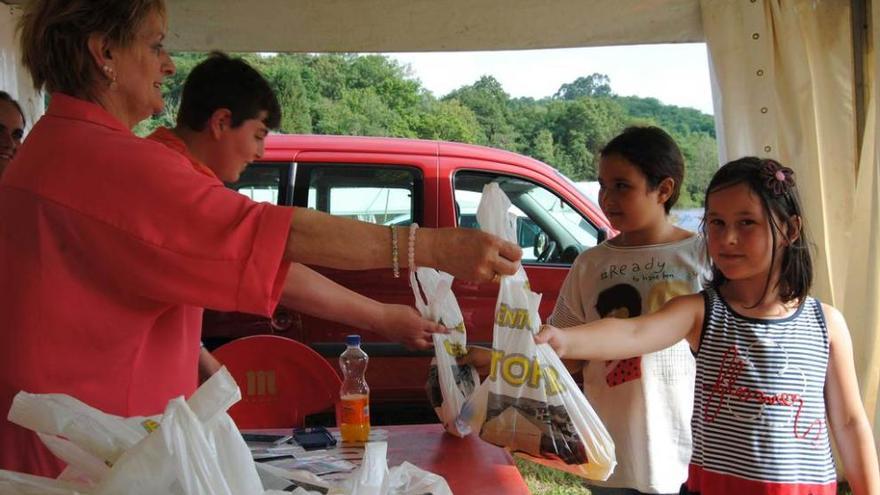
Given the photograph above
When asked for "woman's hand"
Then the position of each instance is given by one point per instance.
(404, 324)
(467, 254)
(553, 336)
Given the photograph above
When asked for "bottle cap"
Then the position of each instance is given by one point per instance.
(352, 340)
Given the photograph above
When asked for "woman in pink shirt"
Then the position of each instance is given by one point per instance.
(110, 245)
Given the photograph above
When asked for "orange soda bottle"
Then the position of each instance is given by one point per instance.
(354, 420)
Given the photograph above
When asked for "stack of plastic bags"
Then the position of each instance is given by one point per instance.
(194, 448)
(530, 403)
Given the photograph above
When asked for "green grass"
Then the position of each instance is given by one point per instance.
(546, 481)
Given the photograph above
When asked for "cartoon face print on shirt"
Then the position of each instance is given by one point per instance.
(624, 301)
(621, 301)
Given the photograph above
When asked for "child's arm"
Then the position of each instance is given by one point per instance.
(613, 338)
(846, 414)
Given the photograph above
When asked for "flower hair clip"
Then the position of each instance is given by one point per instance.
(777, 178)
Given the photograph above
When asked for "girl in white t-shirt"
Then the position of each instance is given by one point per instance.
(645, 401)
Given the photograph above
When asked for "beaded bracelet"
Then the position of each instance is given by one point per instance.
(411, 247)
(395, 261)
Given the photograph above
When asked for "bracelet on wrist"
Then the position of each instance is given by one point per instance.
(395, 253)
(411, 247)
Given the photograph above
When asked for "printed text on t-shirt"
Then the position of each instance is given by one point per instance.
(653, 269)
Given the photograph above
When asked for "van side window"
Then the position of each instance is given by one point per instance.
(262, 183)
(549, 230)
(382, 195)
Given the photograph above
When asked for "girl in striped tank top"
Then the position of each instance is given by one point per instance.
(772, 362)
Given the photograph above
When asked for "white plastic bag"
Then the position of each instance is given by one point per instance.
(12, 483)
(449, 384)
(82, 467)
(529, 403)
(103, 435)
(197, 450)
(374, 477)
(408, 479)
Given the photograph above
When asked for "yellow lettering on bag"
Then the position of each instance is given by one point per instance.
(516, 318)
(553, 385)
(454, 349)
(493, 364)
(458, 327)
(517, 369)
(149, 425)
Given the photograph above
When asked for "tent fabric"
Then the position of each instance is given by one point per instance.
(427, 25)
(783, 87)
(14, 79)
(800, 113)
(863, 279)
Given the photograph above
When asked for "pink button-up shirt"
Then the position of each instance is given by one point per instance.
(110, 245)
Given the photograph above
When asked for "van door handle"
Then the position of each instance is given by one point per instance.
(281, 320)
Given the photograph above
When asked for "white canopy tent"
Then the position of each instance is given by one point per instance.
(791, 80)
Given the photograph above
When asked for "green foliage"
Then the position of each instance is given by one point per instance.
(595, 85)
(372, 95)
(547, 481)
(487, 99)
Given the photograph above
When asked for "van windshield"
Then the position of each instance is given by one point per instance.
(548, 229)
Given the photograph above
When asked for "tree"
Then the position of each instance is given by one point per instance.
(595, 85)
(360, 112)
(449, 121)
(701, 161)
(544, 149)
(580, 128)
(487, 99)
(285, 75)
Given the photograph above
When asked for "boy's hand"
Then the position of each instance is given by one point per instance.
(553, 336)
(405, 325)
(478, 357)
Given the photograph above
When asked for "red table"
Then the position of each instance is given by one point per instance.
(468, 464)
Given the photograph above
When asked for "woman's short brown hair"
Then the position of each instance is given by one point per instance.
(55, 34)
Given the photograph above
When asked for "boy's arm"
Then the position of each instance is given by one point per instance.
(208, 365)
(849, 423)
(613, 338)
(310, 292)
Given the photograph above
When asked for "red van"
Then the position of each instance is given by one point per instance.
(393, 181)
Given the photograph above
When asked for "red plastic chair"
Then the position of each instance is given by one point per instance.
(281, 380)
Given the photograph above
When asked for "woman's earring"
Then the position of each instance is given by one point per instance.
(110, 74)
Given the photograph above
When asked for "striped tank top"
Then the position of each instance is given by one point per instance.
(759, 408)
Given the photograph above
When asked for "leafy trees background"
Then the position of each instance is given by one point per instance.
(371, 95)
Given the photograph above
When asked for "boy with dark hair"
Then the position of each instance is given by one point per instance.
(226, 111)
